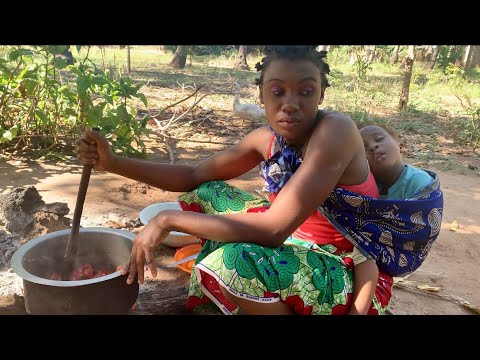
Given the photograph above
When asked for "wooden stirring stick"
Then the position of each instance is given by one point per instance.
(72, 245)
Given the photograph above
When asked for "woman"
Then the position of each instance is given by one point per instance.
(277, 258)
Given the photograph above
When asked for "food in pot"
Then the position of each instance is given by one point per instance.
(83, 272)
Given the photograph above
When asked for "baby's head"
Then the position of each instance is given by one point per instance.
(384, 149)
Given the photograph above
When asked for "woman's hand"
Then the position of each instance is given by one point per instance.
(143, 250)
(94, 149)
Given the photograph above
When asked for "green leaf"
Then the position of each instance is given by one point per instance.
(107, 130)
(82, 85)
(22, 74)
(30, 85)
(42, 116)
(123, 113)
(60, 63)
(8, 135)
(74, 69)
(14, 54)
(72, 119)
(109, 99)
(5, 70)
(99, 80)
(144, 121)
(143, 98)
(63, 89)
(98, 110)
(131, 111)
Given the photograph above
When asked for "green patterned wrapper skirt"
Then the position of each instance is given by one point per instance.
(308, 277)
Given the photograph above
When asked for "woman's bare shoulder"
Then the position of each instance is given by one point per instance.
(258, 139)
(260, 135)
(334, 115)
(336, 121)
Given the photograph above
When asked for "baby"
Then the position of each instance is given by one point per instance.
(395, 179)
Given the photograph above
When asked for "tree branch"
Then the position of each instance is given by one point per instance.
(195, 141)
(182, 100)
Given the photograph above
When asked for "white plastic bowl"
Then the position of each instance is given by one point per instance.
(175, 239)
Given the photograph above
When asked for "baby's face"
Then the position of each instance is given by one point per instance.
(383, 151)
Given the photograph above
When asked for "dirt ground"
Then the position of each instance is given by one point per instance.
(447, 283)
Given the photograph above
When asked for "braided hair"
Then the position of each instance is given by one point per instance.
(294, 52)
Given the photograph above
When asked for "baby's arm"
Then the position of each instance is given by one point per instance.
(365, 280)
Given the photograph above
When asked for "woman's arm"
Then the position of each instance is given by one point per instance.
(94, 149)
(326, 162)
(335, 154)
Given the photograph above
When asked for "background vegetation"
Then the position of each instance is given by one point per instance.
(46, 97)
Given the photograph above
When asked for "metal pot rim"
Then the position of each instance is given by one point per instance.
(16, 262)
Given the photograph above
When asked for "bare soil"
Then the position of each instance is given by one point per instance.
(447, 283)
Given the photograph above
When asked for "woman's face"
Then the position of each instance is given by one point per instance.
(291, 92)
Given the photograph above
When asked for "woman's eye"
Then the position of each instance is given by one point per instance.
(277, 91)
(306, 91)
(380, 138)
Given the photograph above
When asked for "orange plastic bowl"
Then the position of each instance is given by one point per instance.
(184, 252)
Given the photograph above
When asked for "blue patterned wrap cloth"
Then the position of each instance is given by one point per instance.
(396, 234)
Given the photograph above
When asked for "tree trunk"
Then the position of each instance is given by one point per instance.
(434, 57)
(353, 55)
(420, 54)
(180, 58)
(467, 57)
(475, 60)
(449, 52)
(407, 76)
(129, 67)
(371, 57)
(352, 58)
(241, 62)
(428, 53)
(394, 58)
(458, 62)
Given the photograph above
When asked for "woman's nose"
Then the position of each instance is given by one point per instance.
(290, 105)
(373, 147)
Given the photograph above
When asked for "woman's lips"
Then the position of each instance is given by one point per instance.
(288, 122)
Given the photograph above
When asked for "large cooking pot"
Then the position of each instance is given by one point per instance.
(100, 247)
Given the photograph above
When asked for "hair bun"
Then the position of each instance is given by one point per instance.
(294, 52)
(290, 49)
(268, 49)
